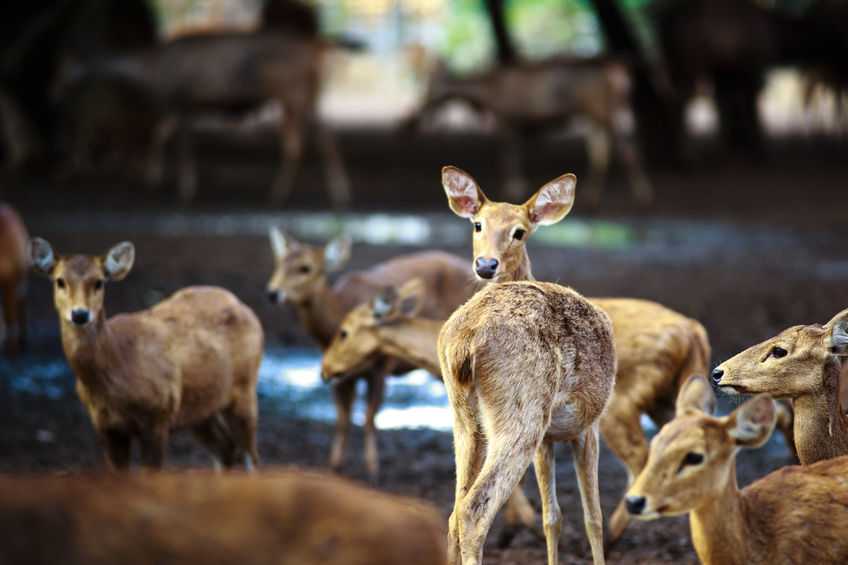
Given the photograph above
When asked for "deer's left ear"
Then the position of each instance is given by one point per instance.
(838, 327)
(751, 424)
(119, 260)
(465, 197)
(552, 202)
(337, 253)
(695, 394)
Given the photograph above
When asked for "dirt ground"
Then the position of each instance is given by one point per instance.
(776, 259)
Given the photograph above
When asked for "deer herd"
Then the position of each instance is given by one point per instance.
(525, 364)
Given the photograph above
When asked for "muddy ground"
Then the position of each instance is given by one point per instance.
(776, 258)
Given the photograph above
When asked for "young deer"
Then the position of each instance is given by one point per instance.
(287, 518)
(797, 514)
(806, 364)
(190, 361)
(14, 265)
(300, 277)
(389, 325)
(656, 347)
(546, 95)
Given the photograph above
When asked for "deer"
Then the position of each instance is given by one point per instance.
(797, 514)
(656, 347)
(191, 361)
(528, 97)
(14, 266)
(286, 517)
(300, 279)
(389, 325)
(806, 364)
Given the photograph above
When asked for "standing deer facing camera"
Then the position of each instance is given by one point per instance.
(190, 361)
(525, 364)
(797, 514)
(807, 364)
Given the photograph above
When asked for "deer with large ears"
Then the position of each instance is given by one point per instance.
(191, 361)
(657, 348)
(807, 364)
(797, 514)
(301, 278)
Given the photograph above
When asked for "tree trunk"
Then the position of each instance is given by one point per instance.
(503, 42)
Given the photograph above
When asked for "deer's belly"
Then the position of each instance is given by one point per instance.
(565, 424)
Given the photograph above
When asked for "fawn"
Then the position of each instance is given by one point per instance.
(14, 265)
(190, 361)
(797, 514)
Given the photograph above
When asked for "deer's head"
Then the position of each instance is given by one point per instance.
(501, 230)
(800, 360)
(79, 280)
(693, 456)
(358, 338)
(302, 269)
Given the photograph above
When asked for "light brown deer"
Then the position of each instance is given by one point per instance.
(808, 365)
(190, 361)
(797, 514)
(656, 347)
(300, 277)
(14, 266)
(285, 518)
(389, 325)
(548, 95)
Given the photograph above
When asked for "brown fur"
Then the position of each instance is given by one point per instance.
(794, 515)
(810, 374)
(657, 348)
(300, 277)
(190, 361)
(280, 518)
(14, 265)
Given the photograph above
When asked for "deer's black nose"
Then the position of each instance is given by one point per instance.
(717, 375)
(274, 296)
(635, 504)
(80, 316)
(486, 267)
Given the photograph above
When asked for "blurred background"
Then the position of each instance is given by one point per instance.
(709, 137)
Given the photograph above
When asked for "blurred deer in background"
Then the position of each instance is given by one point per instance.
(806, 364)
(287, 518)
(14, 266)
(525, 364)
(549, 95)
(389, 325)
(300, 277)
(797, 514)
(190, 361)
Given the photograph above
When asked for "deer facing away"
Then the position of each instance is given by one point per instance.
(190, 361)
(285, 518)
(300, 277)
(797, 514)
(808, 365)
(14, 265)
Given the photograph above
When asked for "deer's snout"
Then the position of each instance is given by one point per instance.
(276, 296)
(486, 267)
(80, 316)
(635, 504)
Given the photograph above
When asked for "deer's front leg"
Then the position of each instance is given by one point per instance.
(343, 394)
(116, 445)
(154, 442)
(376, 389)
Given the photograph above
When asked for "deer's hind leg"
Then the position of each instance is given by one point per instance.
(586, 465)
(545, 468)
(215, 434)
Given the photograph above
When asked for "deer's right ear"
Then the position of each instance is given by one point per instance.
(839, 333)
(695, 395)
(279, 242)
(552, 202)
(337, 253)
(41, 255)
(119, 261)
(465, 197)
(751, 424)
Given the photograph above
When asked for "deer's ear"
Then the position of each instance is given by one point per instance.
(337, 253)
(465, 197)
(119, 260)
(411, 298)
(838, 327)
(279, 241)
(751, 424)
(384, 303)
(41, 255)
(695, 395)
(552, 202)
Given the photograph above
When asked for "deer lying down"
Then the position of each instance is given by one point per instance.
(190, 361)
(281, 518)
(14, 265)
(300, 278)
(797, 514)
(807, 364)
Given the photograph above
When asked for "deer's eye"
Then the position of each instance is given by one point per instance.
(478, 227)
(60, 282)
(778, 352)
(343, 334)
(98, 284)
(518, 234)
(691, 459)
(304, 269)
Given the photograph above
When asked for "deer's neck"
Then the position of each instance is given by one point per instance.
(92, 354)
(522, 272)
(413, 341)
(720, 530)
(820, 428)
(321, 313)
